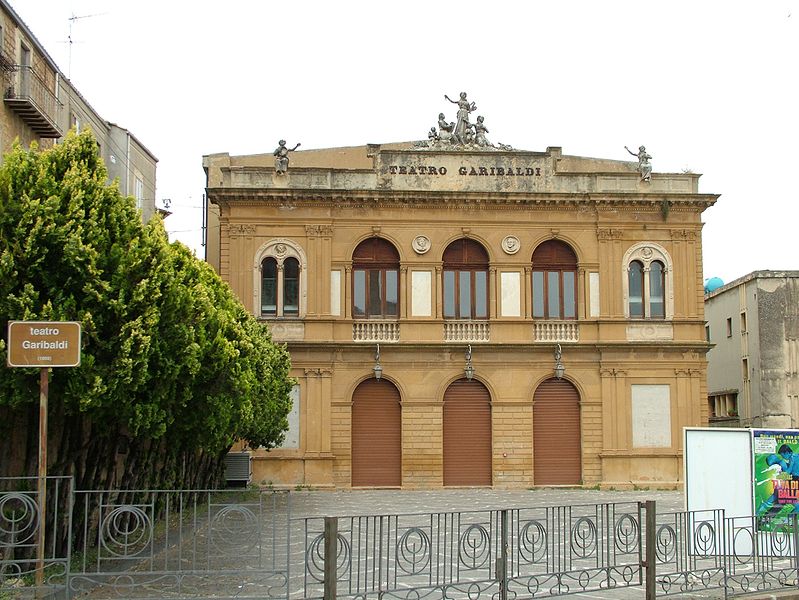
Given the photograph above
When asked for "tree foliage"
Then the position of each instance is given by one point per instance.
(168, 352)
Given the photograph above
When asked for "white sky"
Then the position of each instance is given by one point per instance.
(709, 86)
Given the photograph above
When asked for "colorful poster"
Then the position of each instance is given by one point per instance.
(776, 466)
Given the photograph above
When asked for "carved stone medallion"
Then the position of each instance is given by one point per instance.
(421, 244)
(511, 244)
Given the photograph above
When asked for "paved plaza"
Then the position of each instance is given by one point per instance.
(371, 502)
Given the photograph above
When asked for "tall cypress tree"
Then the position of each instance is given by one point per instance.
(173, 367)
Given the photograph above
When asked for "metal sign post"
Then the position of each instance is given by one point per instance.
(43, 344)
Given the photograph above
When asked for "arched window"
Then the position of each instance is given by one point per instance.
(636, 275)
(648, 285)
(280, 279)
(269, 286)
(554, 281)
(375, 279)
(465, 280)
(291, 287)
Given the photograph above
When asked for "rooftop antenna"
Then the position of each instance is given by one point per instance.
(70, 41)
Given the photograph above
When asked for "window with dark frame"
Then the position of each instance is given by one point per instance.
(269, 287)
(554, 281)
(465, 280)
(375, 279)
(646, 290)
(280, 287)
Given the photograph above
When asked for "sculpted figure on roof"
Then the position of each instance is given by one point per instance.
(460, 134)
(282, 157)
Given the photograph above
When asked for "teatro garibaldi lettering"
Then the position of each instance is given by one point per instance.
(487, 171)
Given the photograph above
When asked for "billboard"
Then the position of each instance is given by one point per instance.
(775, 454)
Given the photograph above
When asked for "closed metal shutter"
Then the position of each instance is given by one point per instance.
(557, 451)
(467, 434)
(376, 435)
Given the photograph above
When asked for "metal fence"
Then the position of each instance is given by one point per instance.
(246, 544)
(521, 552)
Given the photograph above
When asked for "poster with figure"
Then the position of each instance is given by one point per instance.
(776, 475)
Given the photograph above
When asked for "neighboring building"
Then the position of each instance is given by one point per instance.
(41, 105)
(753, 367)
(539, 317)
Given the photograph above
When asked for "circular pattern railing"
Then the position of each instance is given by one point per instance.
(475, 547)
(583, 537)
(19, 517)
(235, 529)
(125, 531)
(413, 551)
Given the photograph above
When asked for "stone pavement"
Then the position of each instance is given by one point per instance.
(371, 502)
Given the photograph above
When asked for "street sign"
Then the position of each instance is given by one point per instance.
(43, 344)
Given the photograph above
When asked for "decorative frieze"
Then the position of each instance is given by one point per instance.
(319, 230)
(608, 234)
(240, 229)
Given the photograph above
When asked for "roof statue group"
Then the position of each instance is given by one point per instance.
(461, 133)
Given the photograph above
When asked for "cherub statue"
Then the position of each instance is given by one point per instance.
(480, 131)
(444, 129)
(282, 157)
(644, 166)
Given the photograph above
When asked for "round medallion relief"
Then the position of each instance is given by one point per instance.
(511, 244)
(421, 244)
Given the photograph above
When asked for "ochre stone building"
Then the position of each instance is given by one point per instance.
(539, 317)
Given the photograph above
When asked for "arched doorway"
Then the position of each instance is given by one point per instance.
(376, 435)
(467, 434)
(557, 448)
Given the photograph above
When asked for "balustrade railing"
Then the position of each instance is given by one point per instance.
(375, 331)
(556, 331)
(467, 331)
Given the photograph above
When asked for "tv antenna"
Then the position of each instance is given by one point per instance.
(70, 41)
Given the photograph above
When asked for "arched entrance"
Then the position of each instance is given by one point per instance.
(376, 435)
(557, 448)
(467, 434)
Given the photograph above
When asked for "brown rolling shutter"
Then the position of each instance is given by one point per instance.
(376, 435)
(557, 450)
(467, 434)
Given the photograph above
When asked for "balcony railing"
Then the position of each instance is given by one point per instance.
(375, 331)
(37, 105)
(556, 331)
(466, 331)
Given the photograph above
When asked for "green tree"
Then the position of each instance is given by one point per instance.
(173, 367)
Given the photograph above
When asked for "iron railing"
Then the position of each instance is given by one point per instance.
(246, 544)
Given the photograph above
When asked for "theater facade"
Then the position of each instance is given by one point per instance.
(460, 313)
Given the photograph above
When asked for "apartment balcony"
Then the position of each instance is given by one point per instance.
(556, 331)
(467, 331)
(375, 331)
(28, 96)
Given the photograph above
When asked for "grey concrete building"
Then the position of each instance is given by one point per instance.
(41, 105)
(753, 367)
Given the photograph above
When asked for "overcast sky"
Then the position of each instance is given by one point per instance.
(706, 86)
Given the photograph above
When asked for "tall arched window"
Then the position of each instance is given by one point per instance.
(465, 280)
(280, 279)
(291, 287)
(269, 286)
(636, 281)
(554, 281)
(648, 285)
(375, 279)
(657, 285)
